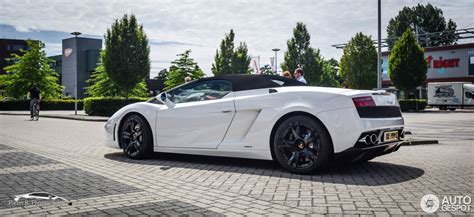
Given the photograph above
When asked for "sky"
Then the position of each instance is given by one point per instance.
(174, 26)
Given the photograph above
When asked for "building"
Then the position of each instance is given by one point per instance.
(56, 65)
(445, 64)
(7, 48)
(80, 58)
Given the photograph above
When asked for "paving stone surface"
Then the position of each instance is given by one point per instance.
(68, 183)
(69, 157)
(15, 159)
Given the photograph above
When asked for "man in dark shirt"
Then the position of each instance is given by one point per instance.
(35, 95)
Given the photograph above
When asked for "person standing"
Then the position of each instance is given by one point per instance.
(35, 95)
(299, 75)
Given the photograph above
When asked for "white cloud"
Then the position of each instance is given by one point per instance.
(262, 24)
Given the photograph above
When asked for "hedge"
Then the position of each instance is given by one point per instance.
(107, 106)
(24, 105)
(411, 104)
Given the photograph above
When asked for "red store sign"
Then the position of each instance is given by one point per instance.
(442, 63)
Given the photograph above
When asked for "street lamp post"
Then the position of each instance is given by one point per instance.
(379, 49)
(75, 77)
(276, 65)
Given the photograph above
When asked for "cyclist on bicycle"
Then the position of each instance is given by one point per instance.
(35, 95)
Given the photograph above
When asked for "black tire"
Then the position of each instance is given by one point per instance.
(135, 137)
(452, 109)
(302, 145)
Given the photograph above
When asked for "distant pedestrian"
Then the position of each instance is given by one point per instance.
(286, 74)
(299, 75)
(187, 79)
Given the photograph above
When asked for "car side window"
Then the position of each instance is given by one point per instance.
(201, 91)
(40, 195)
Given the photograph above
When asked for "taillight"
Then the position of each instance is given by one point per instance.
(363, 101)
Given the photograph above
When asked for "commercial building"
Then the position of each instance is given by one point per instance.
(7, 48)
(80, 58)
(445, 64)
(56, 65)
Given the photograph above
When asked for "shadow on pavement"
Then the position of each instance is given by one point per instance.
(371, 173)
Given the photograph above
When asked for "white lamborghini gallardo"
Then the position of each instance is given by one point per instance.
(261, 117)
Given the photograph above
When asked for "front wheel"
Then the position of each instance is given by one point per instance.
(135, 137)
(302, 145)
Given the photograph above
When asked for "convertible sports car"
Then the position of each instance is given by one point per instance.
(261, 117)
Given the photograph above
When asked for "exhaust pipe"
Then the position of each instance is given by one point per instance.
(374, 139)
(371, 139)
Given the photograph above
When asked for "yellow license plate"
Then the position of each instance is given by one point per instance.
(390, 136)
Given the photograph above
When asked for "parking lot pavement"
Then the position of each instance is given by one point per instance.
(441, 125)
(68, 158)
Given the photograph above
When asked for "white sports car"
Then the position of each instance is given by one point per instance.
(261, 117)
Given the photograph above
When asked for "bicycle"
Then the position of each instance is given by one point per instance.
(36, 110)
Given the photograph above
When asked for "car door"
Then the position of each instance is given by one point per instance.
(200, 118)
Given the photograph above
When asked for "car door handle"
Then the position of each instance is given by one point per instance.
(226, 111)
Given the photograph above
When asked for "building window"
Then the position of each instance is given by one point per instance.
(16, 47)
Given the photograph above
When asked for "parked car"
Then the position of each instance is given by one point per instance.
(261, 117)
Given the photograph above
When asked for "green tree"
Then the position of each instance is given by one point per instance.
(100, 84)
(428, 18)
(301, 54)
(29, 68)
(329, 76)
(162, 75)
(127, 60)
(267, 70)
(182, 67)
(223, 58)
(407, 66)
(358, 65)
(230, 61)
(241, 60)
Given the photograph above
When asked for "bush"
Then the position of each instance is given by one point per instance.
(24, 105)
(411, 104)
(107, 106)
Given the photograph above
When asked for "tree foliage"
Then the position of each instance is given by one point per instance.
(31, 67)
(301, 54)
(329, 77)
(162, 75)
(267, 70)
(127, 57)
(241, 60)
(407, 66)
(358, 67)
(428, 18)
(100, 85)
(182, 67)
(230, 61)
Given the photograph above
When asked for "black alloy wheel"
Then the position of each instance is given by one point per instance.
(135, 137)
(301, 145)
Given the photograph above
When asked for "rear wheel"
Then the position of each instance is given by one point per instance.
(135, 137)
(302, 145)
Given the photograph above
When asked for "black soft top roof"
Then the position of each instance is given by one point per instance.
(251, 82)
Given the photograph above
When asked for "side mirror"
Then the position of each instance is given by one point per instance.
(163, 97)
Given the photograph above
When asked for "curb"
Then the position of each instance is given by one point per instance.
(81, 118)
(421, 142)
